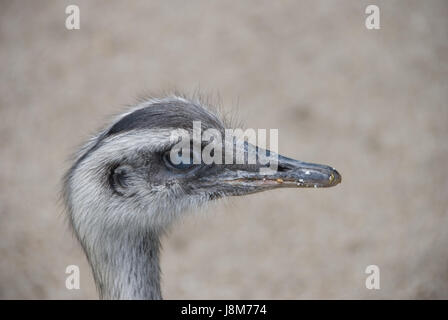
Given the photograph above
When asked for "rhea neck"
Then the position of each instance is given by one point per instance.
(126, 265)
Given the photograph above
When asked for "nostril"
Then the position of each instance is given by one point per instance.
(283, 168)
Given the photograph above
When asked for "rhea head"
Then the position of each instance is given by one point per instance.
(124, 189)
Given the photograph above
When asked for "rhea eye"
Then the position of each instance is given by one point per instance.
(178, 160)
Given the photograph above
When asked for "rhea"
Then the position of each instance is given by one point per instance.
(124, 190)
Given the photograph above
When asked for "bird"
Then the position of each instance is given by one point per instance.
(123, 189)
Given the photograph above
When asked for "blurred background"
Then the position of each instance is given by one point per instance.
(372, 103)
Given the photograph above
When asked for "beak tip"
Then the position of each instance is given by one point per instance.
(335, 177)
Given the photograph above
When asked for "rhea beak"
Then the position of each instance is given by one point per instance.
(278, 172)
(294, 173)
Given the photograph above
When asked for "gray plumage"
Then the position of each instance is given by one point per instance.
(121, 192)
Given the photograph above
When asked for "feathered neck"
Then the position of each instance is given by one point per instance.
(126, 265)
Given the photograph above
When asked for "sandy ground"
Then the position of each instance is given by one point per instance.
(371, 103)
